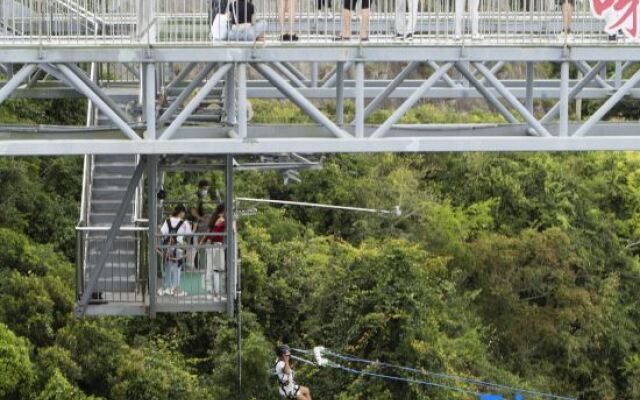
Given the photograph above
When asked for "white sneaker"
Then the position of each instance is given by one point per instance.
(477, 36)
(168, 292)
(161, 292)
(180, 293)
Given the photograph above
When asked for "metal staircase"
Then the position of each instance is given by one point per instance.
(106, 178)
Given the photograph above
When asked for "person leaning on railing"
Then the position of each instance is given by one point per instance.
(242, 21)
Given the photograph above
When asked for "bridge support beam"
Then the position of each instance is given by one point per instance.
(340, 93)
(230, 231)
(196, 82)
(15, 81)
(491, 99)
(575, 91)
(411, 101)
(393, 85)
(359, 100)
(242, 100)
(608, 105)
(152, 207)
(511, 99)
(98, 101)
(299, 100)
(563, 129)
(293, 79)
(195, 102)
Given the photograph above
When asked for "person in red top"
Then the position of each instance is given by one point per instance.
(217, 225)
(215, 255)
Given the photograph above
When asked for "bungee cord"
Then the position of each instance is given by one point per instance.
(447, 376)
(319, 354)
(381, 376)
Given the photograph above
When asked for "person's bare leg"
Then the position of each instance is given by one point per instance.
(346, 23)
(304, 393)
(364, 24)
(567, 15)
(281, 15)
(292, 15)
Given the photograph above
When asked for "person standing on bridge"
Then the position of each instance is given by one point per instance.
(349, 7)
(288, 388)
(287, 7)
(405, 29)
(174, 230)
(567, 16)
(473, 13)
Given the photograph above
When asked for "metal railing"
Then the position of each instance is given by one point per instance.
(191, 273)
(123, 278)
(60, 22)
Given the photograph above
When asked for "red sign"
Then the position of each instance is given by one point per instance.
(619, 15)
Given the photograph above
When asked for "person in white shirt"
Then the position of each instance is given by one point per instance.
(174, 229)
(288, 387)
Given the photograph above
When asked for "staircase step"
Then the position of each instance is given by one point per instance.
(113, 182)
(110, 271)
(107, 206)
(107, 194)
(97, 219)
(120, 285)
(120, 169)
(114, 159)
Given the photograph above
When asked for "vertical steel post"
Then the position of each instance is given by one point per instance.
(242, 100)
(564, 99)
(230, 96)
(152, 209)
(314, 74)
(529, 93)
(150, 100)
(230, 228)
(618, 75)
(359, 100)
(340, 93)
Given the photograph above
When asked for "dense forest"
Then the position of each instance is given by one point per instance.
(520, 268)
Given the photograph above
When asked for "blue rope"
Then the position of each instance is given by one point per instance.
(452, 377)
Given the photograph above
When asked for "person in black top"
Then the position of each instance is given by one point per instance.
(242, 20)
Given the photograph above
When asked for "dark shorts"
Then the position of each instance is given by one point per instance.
(561, 2)
(351, 4)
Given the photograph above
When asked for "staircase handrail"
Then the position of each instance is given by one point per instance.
(82, 12)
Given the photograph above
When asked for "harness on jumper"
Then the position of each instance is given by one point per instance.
(288, 387)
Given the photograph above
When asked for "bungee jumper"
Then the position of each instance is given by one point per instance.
(287, 386)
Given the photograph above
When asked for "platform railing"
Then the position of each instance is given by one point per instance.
(192, 273)
(188, 22)
(123, 279)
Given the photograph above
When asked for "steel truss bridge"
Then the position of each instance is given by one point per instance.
(162, 98)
